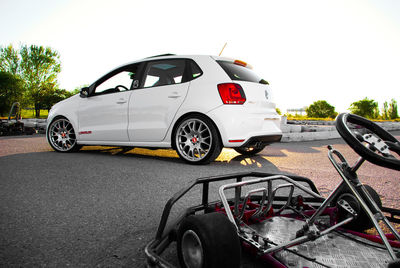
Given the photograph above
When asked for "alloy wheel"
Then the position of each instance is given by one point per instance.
(194, 139)
(62, 135)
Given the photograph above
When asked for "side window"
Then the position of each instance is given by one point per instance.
(164, 72)
(119, 81)
(195, 70)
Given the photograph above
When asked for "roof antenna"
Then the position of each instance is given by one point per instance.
(223, 48)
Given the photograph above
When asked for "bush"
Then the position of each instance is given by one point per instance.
(365, 108)
(321, 109)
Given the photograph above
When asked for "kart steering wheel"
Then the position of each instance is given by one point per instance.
(369, 140)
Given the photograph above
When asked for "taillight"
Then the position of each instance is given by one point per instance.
(231, 93)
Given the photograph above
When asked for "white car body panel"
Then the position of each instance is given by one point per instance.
(152, 110)
(67, 108)
(104, 117)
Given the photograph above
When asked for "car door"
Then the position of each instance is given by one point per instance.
(103, 115)
(153, 106)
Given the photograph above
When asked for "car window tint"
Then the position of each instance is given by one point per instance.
(117, 82)
(165, 72)
(121, 79)
(196, 71)
(237, 72)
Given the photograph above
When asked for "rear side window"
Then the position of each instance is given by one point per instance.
(194, 70)
(237, 72)
(164, 72)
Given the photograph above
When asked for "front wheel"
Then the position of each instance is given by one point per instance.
(362, 221)
(61, 136)
(208, 241)
(250, 150)
(196, 140)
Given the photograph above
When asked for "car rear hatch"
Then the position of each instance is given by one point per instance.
(257, 90)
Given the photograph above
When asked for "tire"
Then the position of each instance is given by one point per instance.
(362, 222)
(208, 241)
(196, 140)
(251, 150)
(61, 136)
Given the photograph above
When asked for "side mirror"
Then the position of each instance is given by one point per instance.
(84, 93)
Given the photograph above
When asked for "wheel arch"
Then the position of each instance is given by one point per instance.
(183, 117)
(58, 117)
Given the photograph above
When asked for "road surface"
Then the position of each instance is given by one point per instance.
(99, 207)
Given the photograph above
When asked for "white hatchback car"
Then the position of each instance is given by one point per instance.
(194, 104)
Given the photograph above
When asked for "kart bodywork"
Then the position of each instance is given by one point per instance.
(282, 219)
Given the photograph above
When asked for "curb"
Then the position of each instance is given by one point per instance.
(303, 132)
(309, 136)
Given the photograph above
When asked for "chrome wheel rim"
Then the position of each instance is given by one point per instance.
(194, 139)
(192, 250)
(62, 135)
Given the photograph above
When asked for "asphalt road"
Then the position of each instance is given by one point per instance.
(99, 207)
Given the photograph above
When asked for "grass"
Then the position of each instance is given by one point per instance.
(30, 114)
(304, 117)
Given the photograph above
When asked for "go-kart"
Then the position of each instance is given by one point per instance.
(282, 219)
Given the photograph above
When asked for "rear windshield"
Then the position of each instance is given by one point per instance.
(237, 72)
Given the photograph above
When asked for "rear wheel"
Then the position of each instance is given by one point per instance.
(250, 150)
(208, 240)
(61, 136)
(196, 140)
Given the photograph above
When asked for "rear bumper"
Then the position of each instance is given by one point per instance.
(240, 127)
(263, 140)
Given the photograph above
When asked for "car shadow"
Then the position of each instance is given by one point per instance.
(228, 157)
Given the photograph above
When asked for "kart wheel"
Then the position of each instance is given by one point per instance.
(196, 140)
(362, 222)
(251, 150)
(61, 136)
(208, 240)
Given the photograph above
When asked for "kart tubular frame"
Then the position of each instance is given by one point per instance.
(164, 237)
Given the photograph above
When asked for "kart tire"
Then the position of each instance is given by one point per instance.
(208, 241)
(249, 151)
(362, 222)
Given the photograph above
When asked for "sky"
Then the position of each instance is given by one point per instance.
(335, 50)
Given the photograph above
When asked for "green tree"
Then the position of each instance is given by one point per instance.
(321, 109)
(385, 111)
(40, 67)
(365, 107)
(11, 90)
(9, 60)
(37, 66)
(54, 95)
(392, 111)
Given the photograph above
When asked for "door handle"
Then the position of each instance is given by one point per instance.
(174, 95)
(121, 101)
